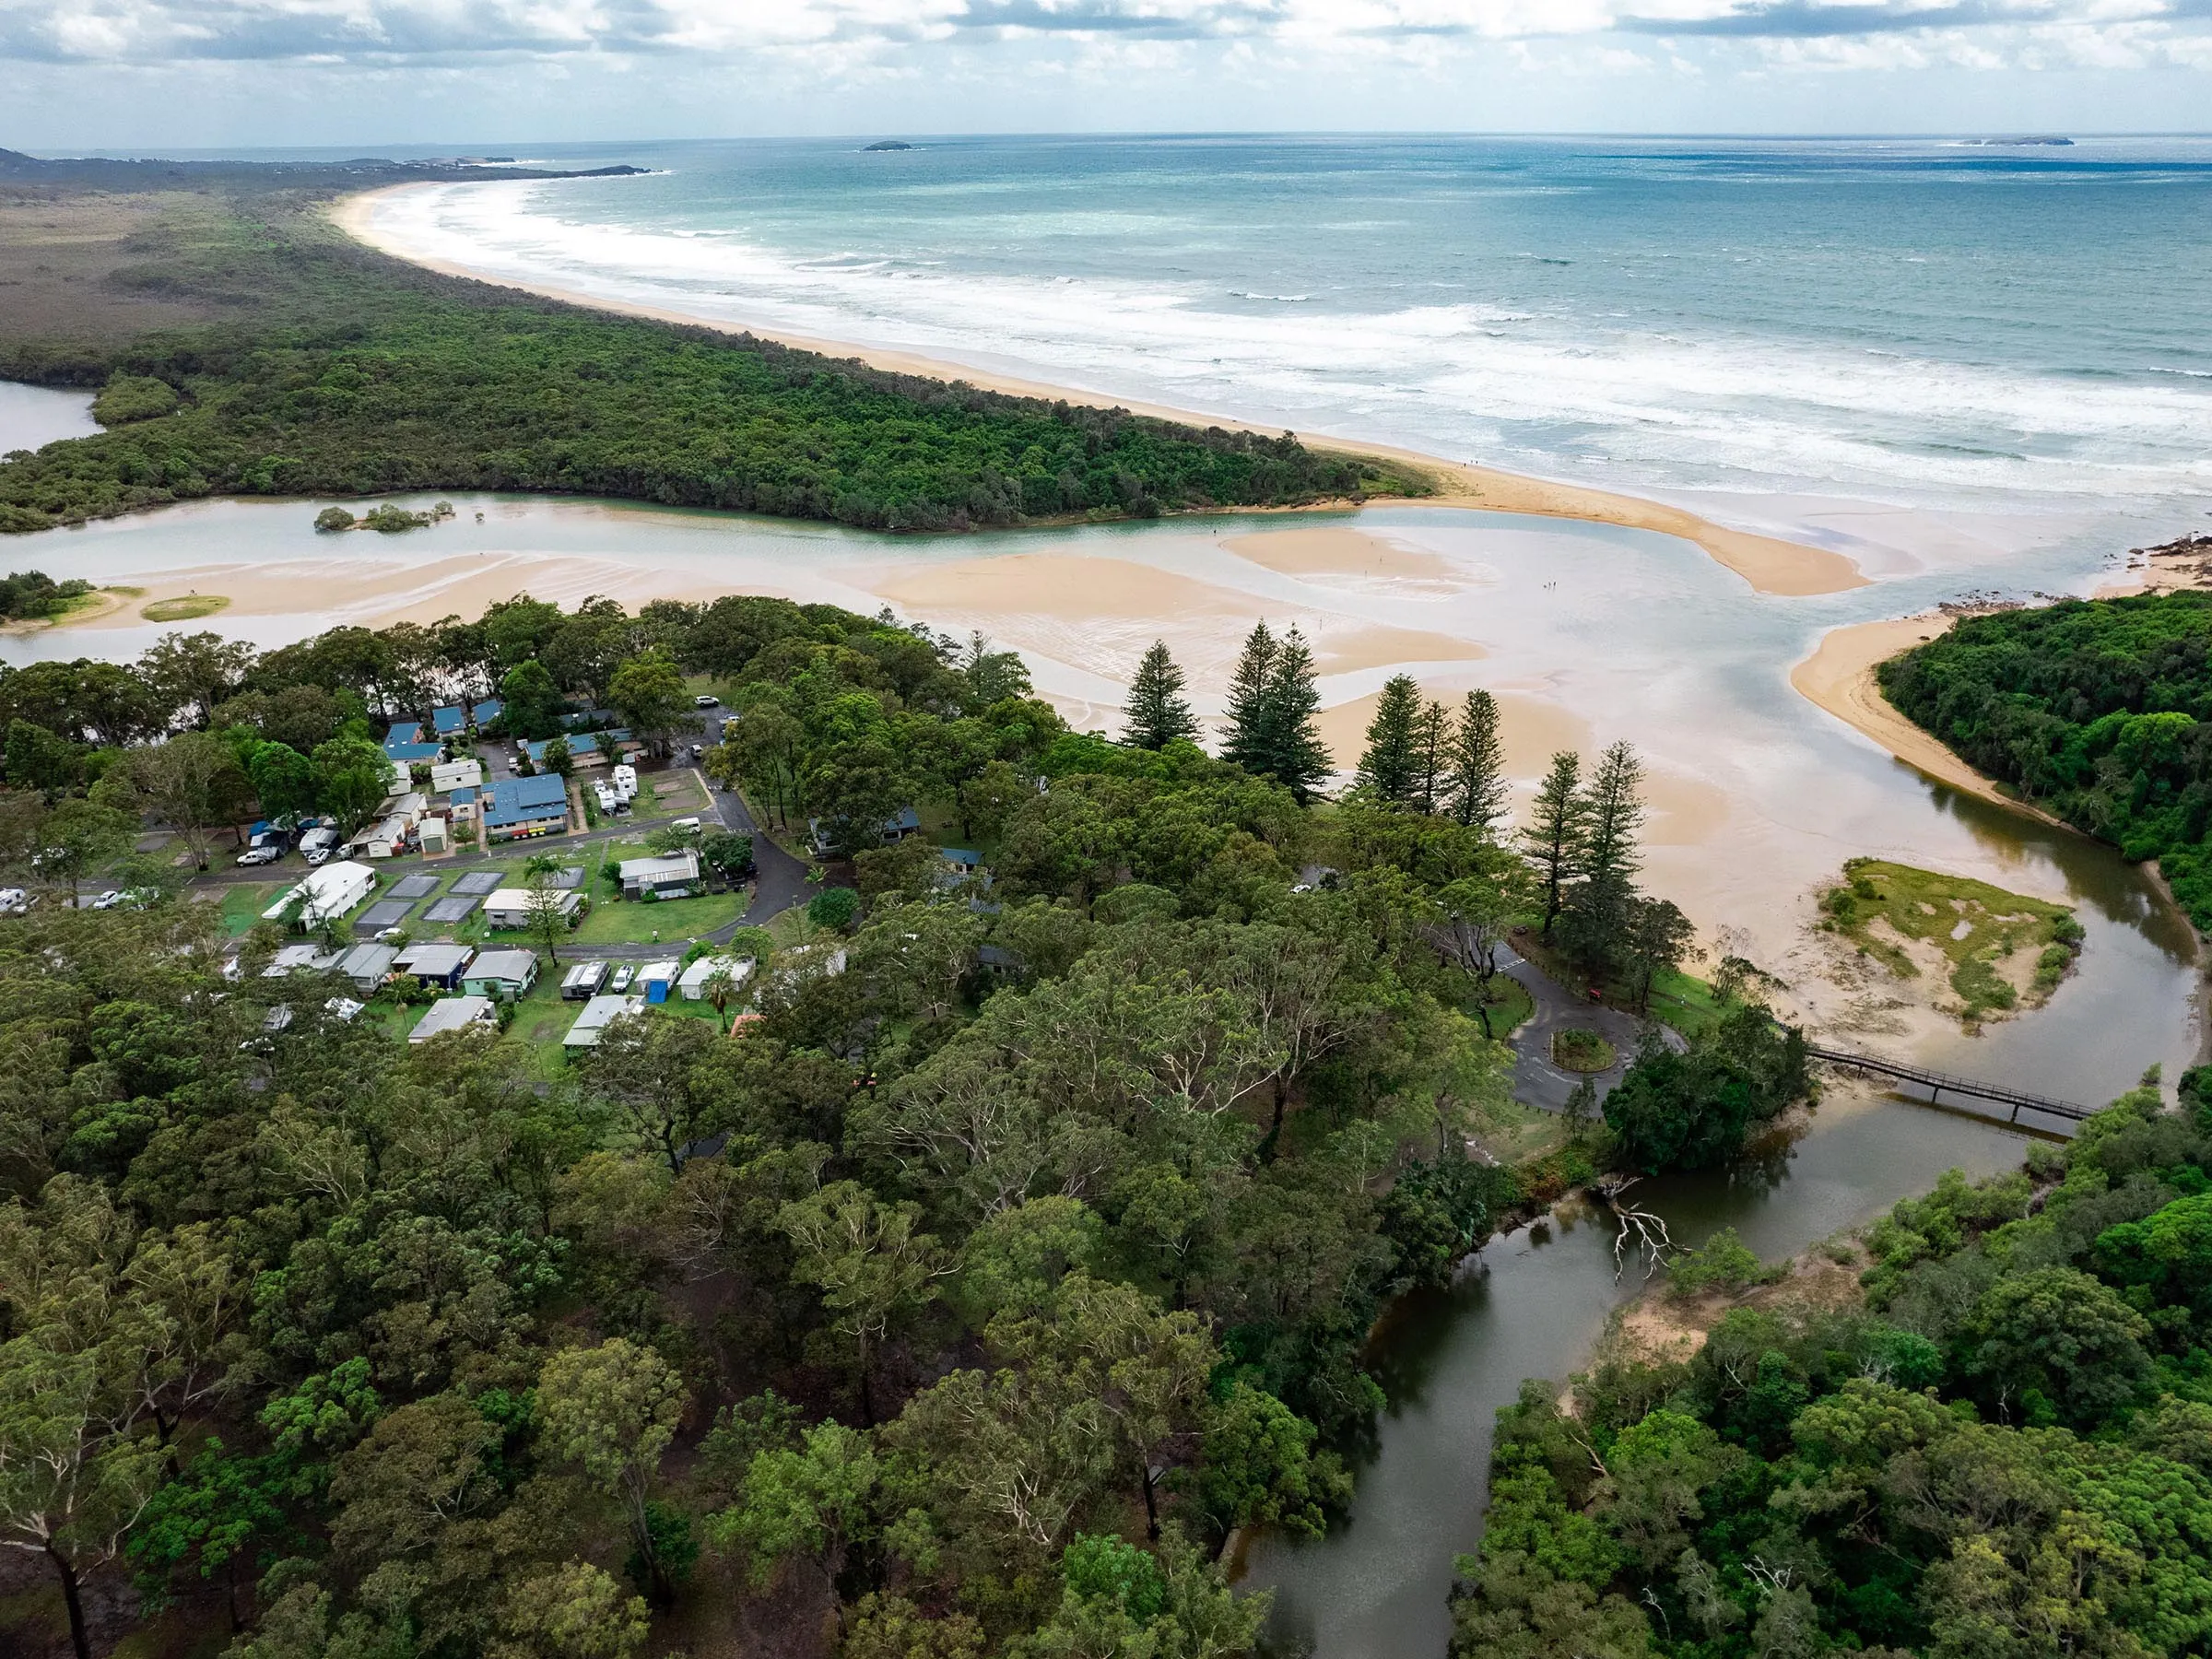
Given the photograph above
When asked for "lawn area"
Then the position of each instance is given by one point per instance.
(243, 904)
(541, 1020)
(1895, 913)
(632, 922)
(668, 793)
(1684, 1003)
(1509, 1003)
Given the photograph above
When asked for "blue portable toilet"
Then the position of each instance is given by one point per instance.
(657, 979)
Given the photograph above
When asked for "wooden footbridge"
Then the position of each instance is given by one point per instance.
(1985, 1096)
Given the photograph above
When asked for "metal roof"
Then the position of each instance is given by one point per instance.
(527, 800)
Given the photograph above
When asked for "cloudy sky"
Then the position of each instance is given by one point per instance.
(119, 73)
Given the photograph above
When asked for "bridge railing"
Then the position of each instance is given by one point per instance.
(1942, 1083)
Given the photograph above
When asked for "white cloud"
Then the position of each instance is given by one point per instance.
(116, 30)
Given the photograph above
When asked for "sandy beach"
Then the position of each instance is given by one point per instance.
(1839, 676)
(1770, 564)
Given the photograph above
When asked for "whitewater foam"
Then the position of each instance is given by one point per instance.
(1964, 386)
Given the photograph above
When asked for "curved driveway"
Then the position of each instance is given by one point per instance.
(1536, 1081)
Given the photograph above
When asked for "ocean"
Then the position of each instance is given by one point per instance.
(1922, 353)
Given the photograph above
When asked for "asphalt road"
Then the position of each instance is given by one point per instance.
(1536, 1081)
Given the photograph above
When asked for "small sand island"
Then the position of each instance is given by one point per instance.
(189, 607)
(1969, 951)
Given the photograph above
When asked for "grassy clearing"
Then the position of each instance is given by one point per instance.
(1979, 931)
(243, 904)
(670, 794)
(1576, 1050)
(1514, 1133)
(184, 609)
(1509, 1003)
(632, 922)
(1685, 1003)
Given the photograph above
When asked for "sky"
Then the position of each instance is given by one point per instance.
(136, 75)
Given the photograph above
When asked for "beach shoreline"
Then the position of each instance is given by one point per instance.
(1839, 676)
(1769, 564)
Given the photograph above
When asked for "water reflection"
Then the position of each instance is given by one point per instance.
(34, 417)
(2093, 874)
(1530, 1306)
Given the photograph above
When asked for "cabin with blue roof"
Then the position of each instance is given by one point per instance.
(448, 721)
(517, 807)
(485, 713)
(403, 743)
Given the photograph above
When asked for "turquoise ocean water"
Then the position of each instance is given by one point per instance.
(2010, 342)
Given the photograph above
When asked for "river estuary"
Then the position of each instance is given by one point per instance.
(1586, 633)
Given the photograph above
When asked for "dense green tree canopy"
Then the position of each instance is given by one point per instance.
(2100, 710)
(360, 376)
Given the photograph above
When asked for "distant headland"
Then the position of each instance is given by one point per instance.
(366, 172)
(2053, 143)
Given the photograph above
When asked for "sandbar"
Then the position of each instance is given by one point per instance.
(1336, 552)
(1839, 676)
(1770, 564)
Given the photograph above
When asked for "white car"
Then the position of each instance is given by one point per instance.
(703, 701)
(620, 983)
(14, 902)
(107, 901)
(260, 855)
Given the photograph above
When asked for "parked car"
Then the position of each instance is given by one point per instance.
(261, 855)
(623, 975)
(107, 901)
(14, 902)
(704, 701)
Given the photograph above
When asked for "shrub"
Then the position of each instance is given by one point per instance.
(129, 398)
(834, 907)
(1722, 1262)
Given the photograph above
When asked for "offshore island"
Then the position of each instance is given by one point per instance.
(793, 1144)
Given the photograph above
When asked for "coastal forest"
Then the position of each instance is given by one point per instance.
(245, 347)
(1017, 1255)
(2000, 1446)
(2100, 711)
